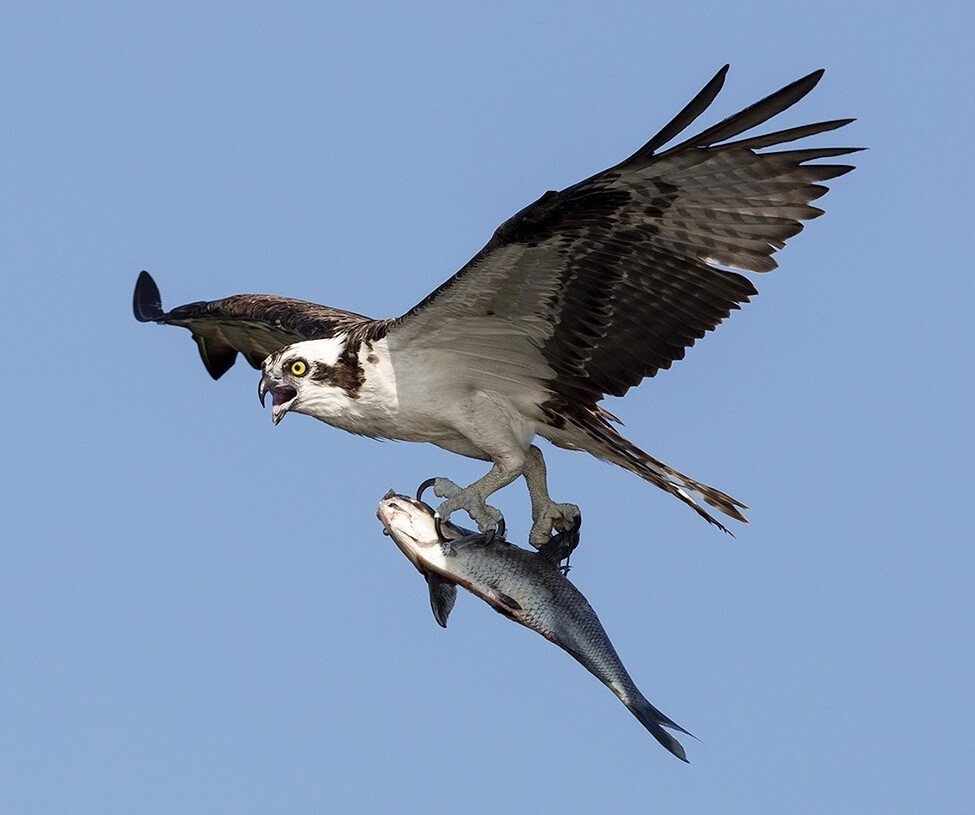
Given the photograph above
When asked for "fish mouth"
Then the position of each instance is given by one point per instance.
(389, 510)
(399, 515)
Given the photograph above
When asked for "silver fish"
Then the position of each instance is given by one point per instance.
(524, 586)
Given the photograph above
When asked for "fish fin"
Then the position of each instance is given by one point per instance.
(655, 721)
(473, 540)
(443, 595)
(510, 602)
(502, 602)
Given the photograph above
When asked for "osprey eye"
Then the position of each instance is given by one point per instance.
(298, 367)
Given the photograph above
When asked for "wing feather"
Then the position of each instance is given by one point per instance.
(755, 114)
(688, 115)
(255, 325)
(613, 278)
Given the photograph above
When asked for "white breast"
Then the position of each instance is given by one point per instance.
(430, 396)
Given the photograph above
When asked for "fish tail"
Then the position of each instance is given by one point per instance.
(655, 721)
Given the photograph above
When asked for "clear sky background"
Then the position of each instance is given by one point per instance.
(197, 610)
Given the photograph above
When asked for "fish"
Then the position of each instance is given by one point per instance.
(525, 586)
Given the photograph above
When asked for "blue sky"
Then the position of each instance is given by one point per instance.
(198, 612)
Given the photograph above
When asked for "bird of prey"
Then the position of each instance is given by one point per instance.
(583, 293)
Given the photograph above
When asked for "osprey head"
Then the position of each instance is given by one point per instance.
(300, 376)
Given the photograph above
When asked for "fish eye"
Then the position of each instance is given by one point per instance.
(299, 368)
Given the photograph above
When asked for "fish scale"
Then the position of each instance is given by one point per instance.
(523, 586)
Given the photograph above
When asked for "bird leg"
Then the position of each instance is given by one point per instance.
(546, 514)
(472, 499)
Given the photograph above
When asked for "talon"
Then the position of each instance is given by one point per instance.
(500, 528)
(563, 518)
(471, 502)
(562, 544)
(442, 488)
(424, 487)
(575, 526)
(438, 525)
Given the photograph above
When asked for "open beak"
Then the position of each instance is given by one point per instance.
(282, 396)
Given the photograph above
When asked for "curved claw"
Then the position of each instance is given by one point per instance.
(562, 544)
(437, 520)
(500, 530)
(424, 487)
(491, 534)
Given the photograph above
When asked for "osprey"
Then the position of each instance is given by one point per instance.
(583, 293)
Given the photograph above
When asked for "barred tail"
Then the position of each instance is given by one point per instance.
(610, 446)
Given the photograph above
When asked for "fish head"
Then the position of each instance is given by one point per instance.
(410, 523)
(413, 526)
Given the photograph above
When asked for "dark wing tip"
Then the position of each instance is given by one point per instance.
(218, 357)
(687, 115)
(798, 89)
(146, 300)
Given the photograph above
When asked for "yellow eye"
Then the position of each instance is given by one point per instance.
(298, 367)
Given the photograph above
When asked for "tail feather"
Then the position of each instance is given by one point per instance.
(609, 445)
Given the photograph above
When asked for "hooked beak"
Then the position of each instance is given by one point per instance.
(282, 396)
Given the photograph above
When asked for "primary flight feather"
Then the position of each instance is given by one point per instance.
(583, 293)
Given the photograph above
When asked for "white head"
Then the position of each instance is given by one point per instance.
(316, 377)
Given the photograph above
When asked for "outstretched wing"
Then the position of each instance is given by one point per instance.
(608, 281)
(254, 325)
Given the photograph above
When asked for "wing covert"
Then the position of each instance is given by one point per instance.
(254, 325)
(610, 280)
